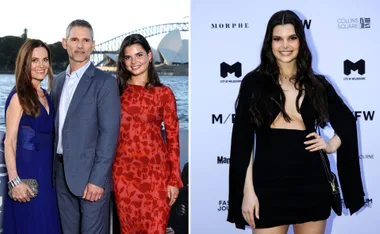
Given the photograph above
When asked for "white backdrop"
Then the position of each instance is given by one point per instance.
(233, 31)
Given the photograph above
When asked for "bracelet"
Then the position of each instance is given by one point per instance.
(14, 182)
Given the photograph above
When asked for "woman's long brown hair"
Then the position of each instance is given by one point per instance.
(26, 92)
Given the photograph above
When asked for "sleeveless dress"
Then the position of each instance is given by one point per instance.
(144, 165)
(34, 155)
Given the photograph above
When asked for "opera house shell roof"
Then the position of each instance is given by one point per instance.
(171, 50)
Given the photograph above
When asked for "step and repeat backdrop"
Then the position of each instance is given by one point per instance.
(226, 39)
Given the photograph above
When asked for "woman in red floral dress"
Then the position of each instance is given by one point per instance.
(146, 170)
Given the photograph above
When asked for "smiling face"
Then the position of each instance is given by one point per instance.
(285, 43)
(79, 46)
(40, 64)
(137, 60)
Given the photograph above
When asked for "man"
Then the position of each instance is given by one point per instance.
(87, 124)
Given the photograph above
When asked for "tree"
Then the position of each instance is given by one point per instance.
(9, 47)
(59, 57)
(24, 36)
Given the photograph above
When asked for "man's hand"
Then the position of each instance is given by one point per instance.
(92, 192)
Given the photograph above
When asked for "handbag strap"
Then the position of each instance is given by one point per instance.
(330, 176)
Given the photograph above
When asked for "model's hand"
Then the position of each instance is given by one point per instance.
(169, 230)
(92, 192)
(249, 207)
(181, 210)
(172, 194)
(318, 143)
(20, 193)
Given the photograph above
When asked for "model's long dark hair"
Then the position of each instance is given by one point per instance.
(271, 98)
(123, 75)
(26, 92)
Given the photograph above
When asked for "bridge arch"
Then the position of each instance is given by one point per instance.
(112, 45)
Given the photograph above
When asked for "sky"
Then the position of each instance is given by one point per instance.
(47, 19)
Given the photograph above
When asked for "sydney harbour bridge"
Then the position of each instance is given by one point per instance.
(113, 45)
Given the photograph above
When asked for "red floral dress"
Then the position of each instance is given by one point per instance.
(144, 165)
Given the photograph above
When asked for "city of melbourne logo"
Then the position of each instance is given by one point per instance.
(354, 23)
(222, 205)
(354, 70)
(230, 73)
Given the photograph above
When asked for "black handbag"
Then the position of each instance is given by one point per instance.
(336, 201)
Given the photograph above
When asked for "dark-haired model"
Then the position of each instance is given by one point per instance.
(282, 102)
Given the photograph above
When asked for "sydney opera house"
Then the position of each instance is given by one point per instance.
(171, 57)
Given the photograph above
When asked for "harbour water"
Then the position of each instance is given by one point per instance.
(179, 85)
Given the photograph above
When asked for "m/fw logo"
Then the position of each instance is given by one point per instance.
(367, 115)
(218, 118)
(222, 160)
(349, 66)
(306, 24)
(226, 69)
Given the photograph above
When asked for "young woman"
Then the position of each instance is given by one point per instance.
(29, 145)
(282, 101)
(146, 171)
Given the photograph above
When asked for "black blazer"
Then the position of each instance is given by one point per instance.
(341, 120)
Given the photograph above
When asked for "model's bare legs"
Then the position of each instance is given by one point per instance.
(317, 227)
(283, 229)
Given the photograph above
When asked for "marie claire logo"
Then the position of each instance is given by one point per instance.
(222, 119)
(229, 25)
(223, 205)
(366, 156)
(349, 67)
(354, 23)
(366, 115)
(222, 160)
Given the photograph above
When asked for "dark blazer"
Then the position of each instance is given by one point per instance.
(90, 131)
(341, 120)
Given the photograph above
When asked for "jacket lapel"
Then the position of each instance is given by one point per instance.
(60, 79)
(81, 89)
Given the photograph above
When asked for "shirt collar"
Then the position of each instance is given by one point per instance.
(79, 73)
